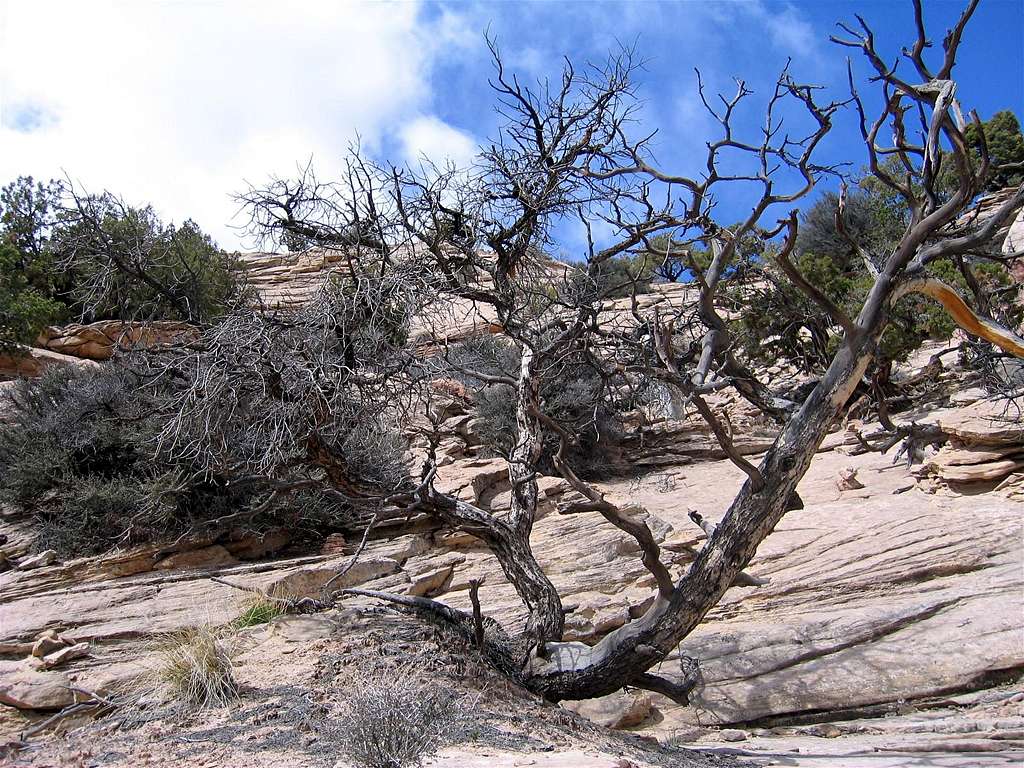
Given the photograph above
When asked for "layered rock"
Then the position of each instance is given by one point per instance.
(986, 446)
(98, 341)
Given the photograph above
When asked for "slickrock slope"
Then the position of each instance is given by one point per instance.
(882, 600)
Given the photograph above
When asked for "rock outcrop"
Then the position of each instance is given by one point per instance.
(986, 446)
(32, 361)
(98, 341)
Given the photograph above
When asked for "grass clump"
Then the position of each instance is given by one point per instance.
(256, 610)
(194, 670)
(397, 718)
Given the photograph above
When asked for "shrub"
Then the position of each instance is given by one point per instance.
(97, 258)
(194, 670)
(776, 321)
(24, 309)
(572, 393)
(397, 718)
(72, 456)
(125, 263)
(79, 452)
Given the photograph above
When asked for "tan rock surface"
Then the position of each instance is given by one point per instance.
(869, 589)
(619, 711)
(34, 361)
(208, 557)
(98, 341)
(23, 687)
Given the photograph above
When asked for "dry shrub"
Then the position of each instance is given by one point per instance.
(194, 669)
(397, 718)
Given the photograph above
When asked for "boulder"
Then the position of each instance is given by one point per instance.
(823, 730)
(618, 711)
(847, 480)
(732, 734)
(47, 643)
(65, 654)
(25, 688)
(334, 544)
(38, 561)
(431, 582)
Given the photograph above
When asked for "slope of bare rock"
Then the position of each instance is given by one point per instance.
(966, 731)
(293, 676)
(879, 598)
(869, 591)
(671, 443)
(986, 446)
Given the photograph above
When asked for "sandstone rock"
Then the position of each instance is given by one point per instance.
(986, 471)
(732, 734)
(457, 540)
(578, 628)
(303, 629)
(475, 480)
(30, 361)
(868, 591)
(967, 396)
(251, 546)
(65, 654)
(981, 423)
(606, 622)
(208, 557)
(1012, 487)
(823, 731)
(334, 544)
(38, 561)
(46, 643)
(404, 547)
(847, 480)
(430, 583)
(673, 443)
(309, 582)
(25, 688)
(451, 387)
(617, 711)
(99, 340)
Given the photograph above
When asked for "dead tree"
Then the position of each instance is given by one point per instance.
(471, 243)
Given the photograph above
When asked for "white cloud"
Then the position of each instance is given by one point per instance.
(431, 138)
(178, 103)
(786, 28)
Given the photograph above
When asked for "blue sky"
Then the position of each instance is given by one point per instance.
(180, 102)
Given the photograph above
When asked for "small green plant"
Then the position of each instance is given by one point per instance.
(256, 610)
(194, 669)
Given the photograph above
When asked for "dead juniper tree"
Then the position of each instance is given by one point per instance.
(468, 246)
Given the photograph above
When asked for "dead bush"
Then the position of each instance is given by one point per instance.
(397, 718)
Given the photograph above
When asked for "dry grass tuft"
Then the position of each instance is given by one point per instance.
(194, 669)
(396, 718)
